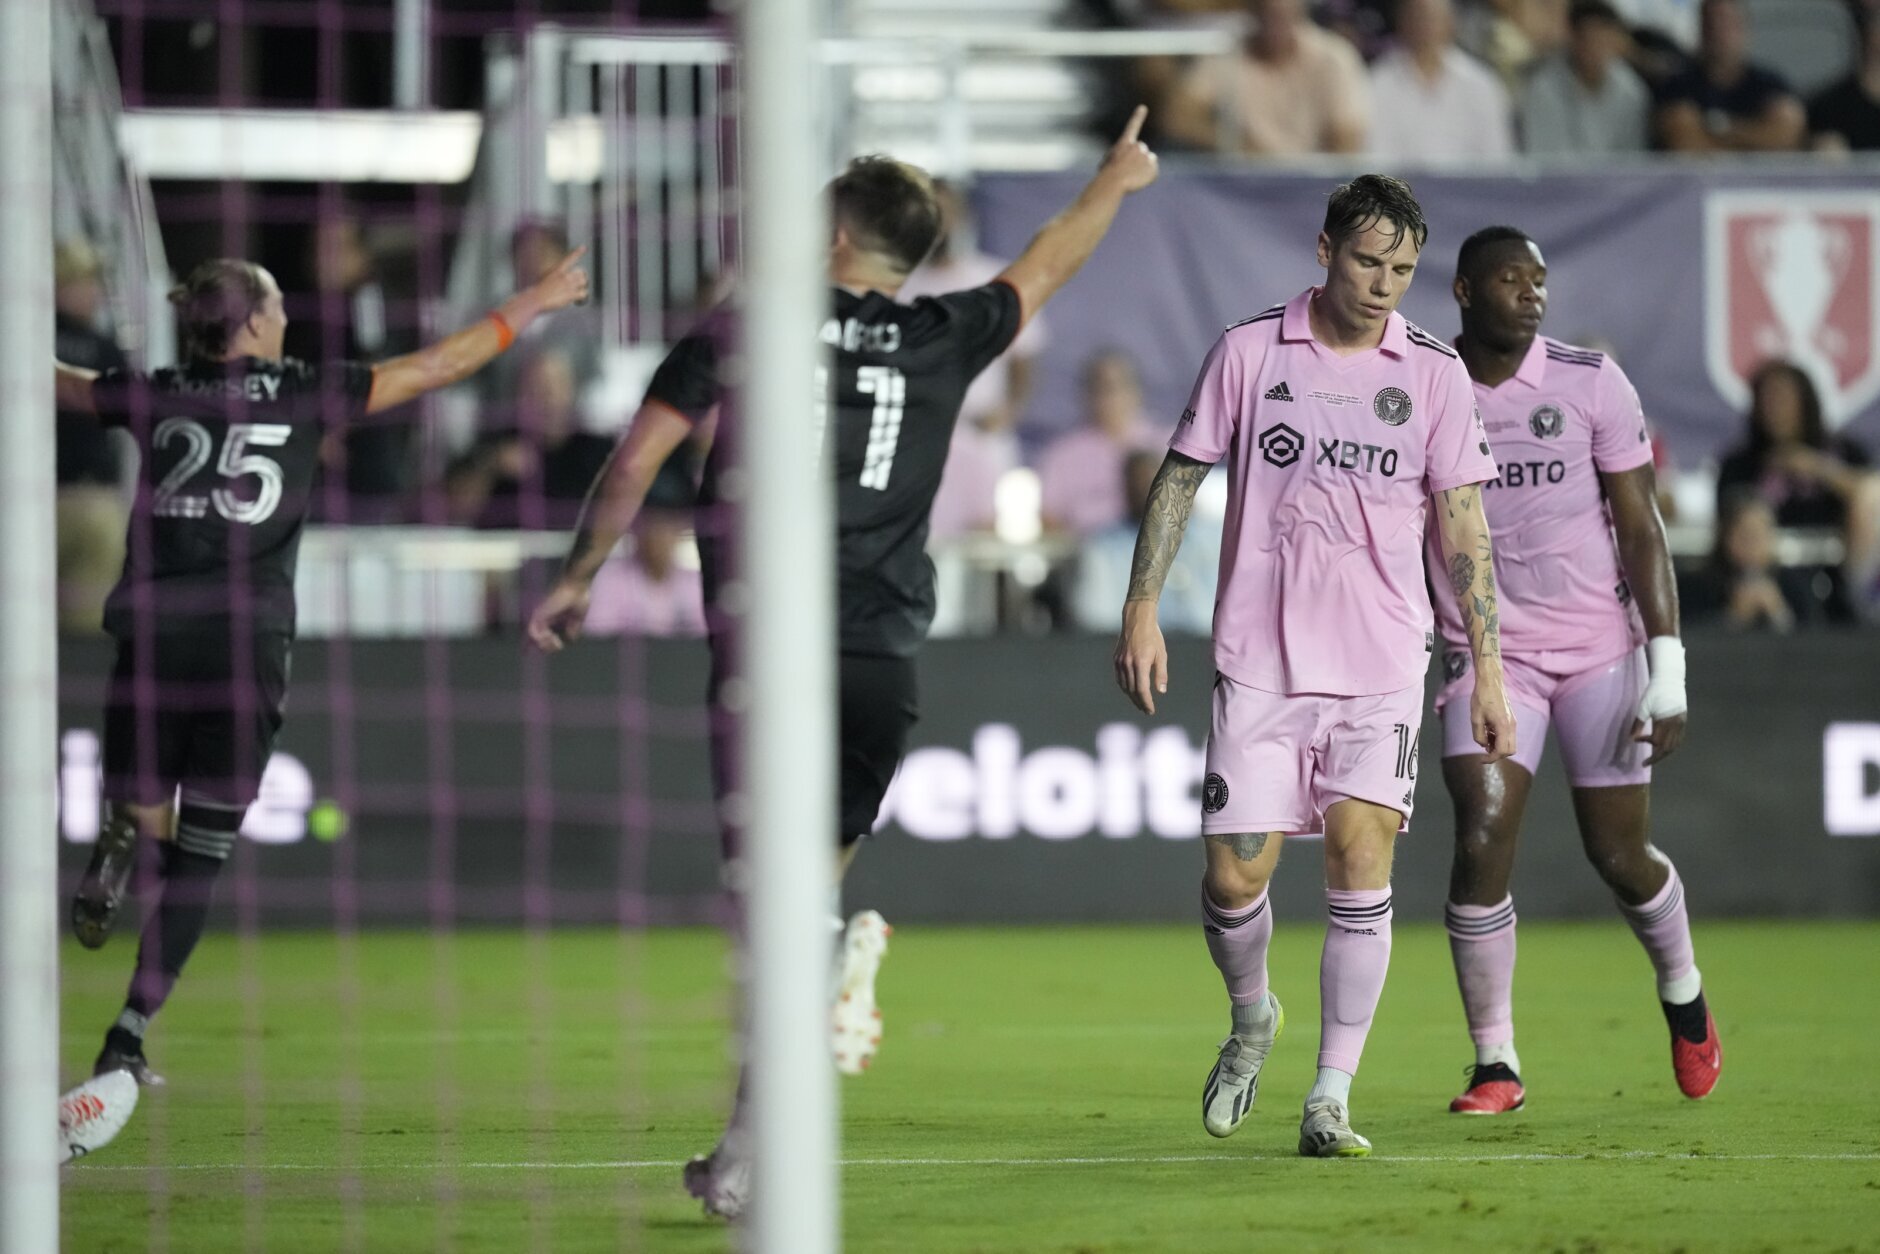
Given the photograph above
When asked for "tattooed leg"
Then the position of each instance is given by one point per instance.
(1239, 866)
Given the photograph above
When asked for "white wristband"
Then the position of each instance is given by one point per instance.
(1665, 656)
(1664, 692)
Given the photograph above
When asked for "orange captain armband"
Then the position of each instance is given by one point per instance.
(505, 336)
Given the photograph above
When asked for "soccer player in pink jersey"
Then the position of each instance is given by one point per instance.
(1339, 421)
(1566, 427)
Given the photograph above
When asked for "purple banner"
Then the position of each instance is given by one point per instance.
(1690, 275)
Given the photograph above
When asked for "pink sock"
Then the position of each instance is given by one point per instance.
(1351, 972)
(1238, 940)
(1663, 927)
(1481, 940)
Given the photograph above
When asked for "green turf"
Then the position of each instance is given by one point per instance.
(389, 1094)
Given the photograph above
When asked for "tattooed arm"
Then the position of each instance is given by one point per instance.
(612, 504)
(1468, 561)
(1141, 654)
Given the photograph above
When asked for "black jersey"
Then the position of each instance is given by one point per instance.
(887, 402)
(229, 454)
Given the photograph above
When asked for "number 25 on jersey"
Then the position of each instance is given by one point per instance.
(236, 462)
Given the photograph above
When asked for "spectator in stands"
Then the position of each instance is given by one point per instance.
(1513, 35)
(1743, 587)
(1081, 474)
(1587, 100)
(538, 474)
(1847, 115)
(985, 440)
(372, 462)
(1664, 36)
(1292, 89)
(650, 593)
(1808, 478)
(1103, 563)
(1724, 102)
(89, 460)
(1432, 101)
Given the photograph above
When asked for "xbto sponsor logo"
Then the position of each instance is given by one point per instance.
(1528, 474)
(1363, 459)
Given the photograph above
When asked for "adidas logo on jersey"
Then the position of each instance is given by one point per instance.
(1279, 392)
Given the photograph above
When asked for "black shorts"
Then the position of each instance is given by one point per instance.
(879, 705)
(188, 710)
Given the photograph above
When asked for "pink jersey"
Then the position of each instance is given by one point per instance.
(1567, 414)
(1331, 463)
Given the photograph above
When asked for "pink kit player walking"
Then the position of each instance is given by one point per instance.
(1340, 422)
(1566, 427)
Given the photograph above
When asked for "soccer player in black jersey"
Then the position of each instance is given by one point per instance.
(204, 612)
(889, 395)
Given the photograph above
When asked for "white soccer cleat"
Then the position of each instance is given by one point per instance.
(1325, 1132)
(95, 1112)
(1227, 1097)
(721, 1181)
(854, 1021)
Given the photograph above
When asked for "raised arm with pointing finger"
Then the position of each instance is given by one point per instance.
(689, 378)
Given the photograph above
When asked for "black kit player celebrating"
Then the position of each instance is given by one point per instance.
(890, 396)
(204, 613)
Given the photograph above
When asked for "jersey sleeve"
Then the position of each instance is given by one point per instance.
(1620, 441)
(687, 380)
(983, 322)
(1457, 449)
(1207, 426)
(334, 393)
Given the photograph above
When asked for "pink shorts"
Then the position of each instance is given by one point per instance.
(1276, 763)
(1593, 711)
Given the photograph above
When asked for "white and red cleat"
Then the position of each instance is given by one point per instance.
(855, 1023)
(95, 1112)
(1494, 1089)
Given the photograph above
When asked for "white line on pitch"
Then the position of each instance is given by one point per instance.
(1145, 1161)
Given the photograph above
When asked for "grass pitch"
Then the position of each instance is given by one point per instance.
(1038, 1090)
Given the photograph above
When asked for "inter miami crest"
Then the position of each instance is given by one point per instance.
(1213, 794)
(1392, 406)
(1547, 422)
(1280, 445)
(1453, 666)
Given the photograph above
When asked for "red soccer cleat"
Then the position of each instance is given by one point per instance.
(1696, 1053)
(1494, 1089)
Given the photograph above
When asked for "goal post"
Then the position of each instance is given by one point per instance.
(29, 1003)
(787, 541)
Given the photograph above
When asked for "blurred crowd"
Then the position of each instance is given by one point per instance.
(1796, 508)
(1444, 80)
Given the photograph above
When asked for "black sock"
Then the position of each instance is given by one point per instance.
(1689, 1020)
(172, 930)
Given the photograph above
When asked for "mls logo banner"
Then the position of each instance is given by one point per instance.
(1794, 275)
